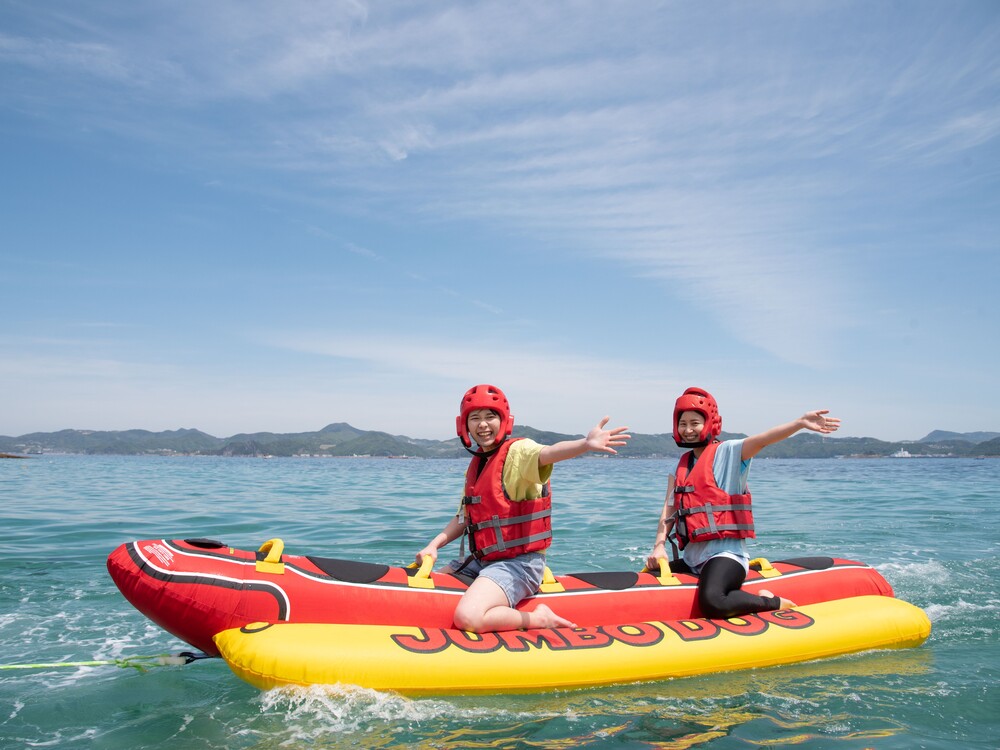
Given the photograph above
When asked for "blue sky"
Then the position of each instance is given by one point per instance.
(243, 216)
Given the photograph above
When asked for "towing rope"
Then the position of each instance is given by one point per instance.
(142, 663)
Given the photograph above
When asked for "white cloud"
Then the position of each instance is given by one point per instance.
(99, 60)
(771, 170)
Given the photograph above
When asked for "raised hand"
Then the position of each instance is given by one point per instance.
(601, 440)
(817, 421)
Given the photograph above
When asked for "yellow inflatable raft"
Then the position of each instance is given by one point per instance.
(415, 660)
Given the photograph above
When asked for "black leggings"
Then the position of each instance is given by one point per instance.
(719, 592)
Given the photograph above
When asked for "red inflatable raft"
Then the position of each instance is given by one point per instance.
(197, 588)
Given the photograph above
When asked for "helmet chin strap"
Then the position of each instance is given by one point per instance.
(697, 443)
(490, 452)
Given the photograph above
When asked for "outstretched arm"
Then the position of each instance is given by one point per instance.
(598, 440)
(817, 421)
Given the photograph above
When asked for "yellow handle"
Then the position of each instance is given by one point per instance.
(666, 577)
(549, 583)
(271, 563)
(422, 578)
(766, 569)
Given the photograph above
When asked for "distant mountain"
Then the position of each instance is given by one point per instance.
(341, 439)
(938, 436)
(124, 442)
(989, 447)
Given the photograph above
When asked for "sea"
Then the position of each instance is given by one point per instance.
(930, 526)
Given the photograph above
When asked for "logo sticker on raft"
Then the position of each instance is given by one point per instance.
(435, 640)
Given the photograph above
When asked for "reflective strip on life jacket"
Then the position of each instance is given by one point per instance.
(710, 510)
(496, 523)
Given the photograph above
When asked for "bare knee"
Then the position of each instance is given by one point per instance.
(468, 618)
(474, 609)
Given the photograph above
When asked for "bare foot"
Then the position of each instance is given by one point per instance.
(543, 617)
(785, 603)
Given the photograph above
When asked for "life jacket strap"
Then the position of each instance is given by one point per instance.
(709, 509)
(496, 523)
(503, 544)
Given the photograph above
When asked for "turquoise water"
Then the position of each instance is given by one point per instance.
(930, 526)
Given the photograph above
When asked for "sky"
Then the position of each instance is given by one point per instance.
(244, 216)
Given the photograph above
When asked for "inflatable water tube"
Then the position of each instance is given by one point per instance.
(417, 661)
(196, 588)
(283, 619)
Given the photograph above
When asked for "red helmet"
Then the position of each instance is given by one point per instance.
(701, 401)
(483, 397)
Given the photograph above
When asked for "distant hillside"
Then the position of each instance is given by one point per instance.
(341, 439)
(125, 442)
(938, 436)
(989, 447)
(338, 439)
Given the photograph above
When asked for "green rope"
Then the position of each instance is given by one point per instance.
(142, 663)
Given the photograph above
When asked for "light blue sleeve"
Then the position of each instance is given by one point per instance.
(729, 468)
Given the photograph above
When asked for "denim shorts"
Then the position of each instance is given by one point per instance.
(519, 577)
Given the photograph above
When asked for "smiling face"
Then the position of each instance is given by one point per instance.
(689, 426)
(484, 426)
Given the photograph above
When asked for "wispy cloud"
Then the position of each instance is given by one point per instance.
(459, 364)
(770, 173)
(98, 60)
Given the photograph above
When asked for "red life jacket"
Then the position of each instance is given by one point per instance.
(498, 527)
(704, 511)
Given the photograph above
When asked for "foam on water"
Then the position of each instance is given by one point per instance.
(347, 708)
